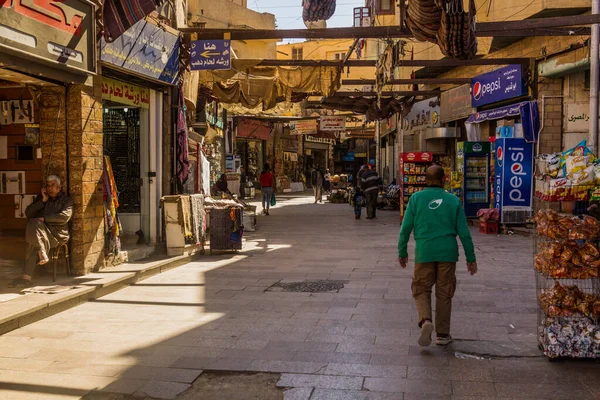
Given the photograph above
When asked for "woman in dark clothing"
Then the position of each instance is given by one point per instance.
(266, 187)
(220, 186)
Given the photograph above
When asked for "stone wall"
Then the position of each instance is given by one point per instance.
(85, 168)
(53, 136)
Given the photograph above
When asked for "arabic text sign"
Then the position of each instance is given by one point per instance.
(577, 117)
(423, 114)
(59, 31)
(456, 104)
(501, 84)
(125, 93)
(210, 55)
(146, 49)
(303, 127)
(332, 123)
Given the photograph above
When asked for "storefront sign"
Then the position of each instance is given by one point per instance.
(527, 111)
(513, 184)
(125, 93)
(319, 140)
(350, 156)
(210, 55)
(147, 50)
(58, 32)
(332, 123)
(423, 114)
(501, 84)
(455, 104)
(303, 127)
(253, 129)
(417, 157)
(388, 125)
(290, 156)
(577, 117)
(359, 122)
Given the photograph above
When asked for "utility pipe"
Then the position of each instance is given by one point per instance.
(594, 80)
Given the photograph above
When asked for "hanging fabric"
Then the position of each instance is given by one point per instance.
(120, 15)
(112, 225)
(317, 10)
(182, 162)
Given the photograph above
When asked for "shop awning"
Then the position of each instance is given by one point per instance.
(253, 129)
(527, 111)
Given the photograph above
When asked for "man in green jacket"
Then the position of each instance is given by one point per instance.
(436, 217)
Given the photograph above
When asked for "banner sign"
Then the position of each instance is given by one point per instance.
(423, 114)
(501, 84)
(332, 123)
(513, 183)
(210, 55)
(62, 33)
(125, 93)
(303, 127)
(456, 104)
(147, 50)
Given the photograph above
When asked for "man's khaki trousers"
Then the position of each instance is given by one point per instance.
(443, 276)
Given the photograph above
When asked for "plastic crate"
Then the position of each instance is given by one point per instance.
(488, 227)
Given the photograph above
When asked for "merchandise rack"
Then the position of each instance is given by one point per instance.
(567, 268)
(413, 167)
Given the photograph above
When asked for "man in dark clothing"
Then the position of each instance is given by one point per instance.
(243, 182)
(359, 175)
(370, 186)
(317, 181)
(47, 228)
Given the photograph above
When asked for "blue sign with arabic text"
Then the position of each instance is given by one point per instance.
(501, 84)
(147, 50)
(210, 55)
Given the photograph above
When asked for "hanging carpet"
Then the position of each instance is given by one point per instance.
(120, 15)
(317, 10)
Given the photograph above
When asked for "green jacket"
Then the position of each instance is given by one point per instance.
(436, 217)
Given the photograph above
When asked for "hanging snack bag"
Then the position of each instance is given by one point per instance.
(559, 189)
(575, 164)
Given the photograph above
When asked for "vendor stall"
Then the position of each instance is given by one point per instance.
(567, 254)
(226, 227)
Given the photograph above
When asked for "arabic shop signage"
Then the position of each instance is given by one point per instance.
(423, 114)
(456, 104)
(303, 127)
(125, 93)
(60, 33)
(501, 84)
(577, 117)
(320, 140)
(330, 123)
(146, 50)
(210, 55)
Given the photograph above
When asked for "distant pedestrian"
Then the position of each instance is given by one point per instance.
(436, 217)
(359, 175)
(327, 182)
(243, 183)
(359, 202)
(317, 181)
(370, 183)
(266, 188)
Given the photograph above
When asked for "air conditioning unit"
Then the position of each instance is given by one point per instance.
(362, 17)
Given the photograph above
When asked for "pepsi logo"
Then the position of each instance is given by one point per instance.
(517, 168)
(500, 155)
(477, 90)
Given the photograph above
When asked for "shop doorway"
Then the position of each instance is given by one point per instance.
(126, 143)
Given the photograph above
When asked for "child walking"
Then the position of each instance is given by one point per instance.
(359, 201)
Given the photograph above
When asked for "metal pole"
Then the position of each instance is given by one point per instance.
(594, 80)
(378, 147)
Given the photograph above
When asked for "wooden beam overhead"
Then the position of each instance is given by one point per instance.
(433, 81)
(388, 94)
(555, 26)
(450, 63)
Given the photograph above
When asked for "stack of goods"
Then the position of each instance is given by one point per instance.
(568, 176)
(568, 259)
(339, 196)
(567, 337)
(553, 225)
(569, 301)
(445, 23)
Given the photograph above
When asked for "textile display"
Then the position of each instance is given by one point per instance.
(198, 223)
(186, 215)
(204, 173)
(112, 225)
(182, 161)
(316, 10)
(120, 15)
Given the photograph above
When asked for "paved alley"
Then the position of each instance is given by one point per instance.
(232, 313)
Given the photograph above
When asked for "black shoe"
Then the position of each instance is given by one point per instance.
(369, 217)
(357, 217)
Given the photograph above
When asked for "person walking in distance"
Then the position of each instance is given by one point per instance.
(266, 188)
(370, 187)
(317, 181)
(436, 217)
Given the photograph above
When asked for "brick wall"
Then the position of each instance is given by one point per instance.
(551, 114)
(53, 137)
(85, 168)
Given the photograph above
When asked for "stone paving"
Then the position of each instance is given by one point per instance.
(157, 336)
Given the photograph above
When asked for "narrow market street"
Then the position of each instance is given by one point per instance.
(234, 312)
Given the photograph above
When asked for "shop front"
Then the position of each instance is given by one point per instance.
(388, 159)
(47, 68)
(515, 124)
(251, 138)
(138, 81)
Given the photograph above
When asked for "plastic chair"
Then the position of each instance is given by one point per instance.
(56, 254)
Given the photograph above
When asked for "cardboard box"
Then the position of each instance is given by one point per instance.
(505, 122)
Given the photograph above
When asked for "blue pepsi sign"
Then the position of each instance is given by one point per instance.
(501, 84)
(513, 181)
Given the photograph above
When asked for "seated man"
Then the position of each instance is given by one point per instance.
(48, 227)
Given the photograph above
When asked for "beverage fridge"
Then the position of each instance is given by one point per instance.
(473, 163)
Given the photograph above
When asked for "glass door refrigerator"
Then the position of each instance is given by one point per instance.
(475, 166)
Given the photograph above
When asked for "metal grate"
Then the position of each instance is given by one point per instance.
(321, 286)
